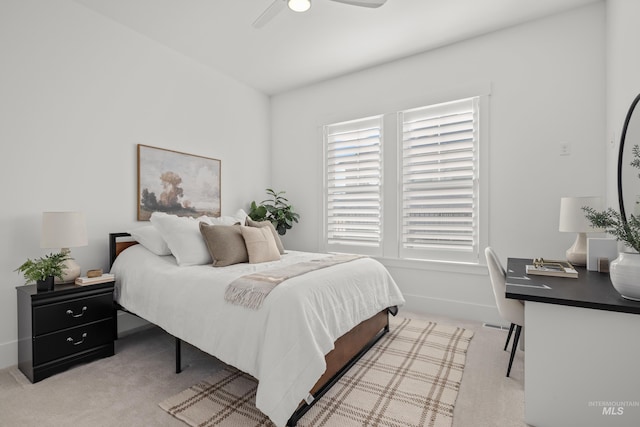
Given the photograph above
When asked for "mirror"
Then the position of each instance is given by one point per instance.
(628, 176)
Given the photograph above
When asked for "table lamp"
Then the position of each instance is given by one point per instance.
(573, 219)
(64, 230)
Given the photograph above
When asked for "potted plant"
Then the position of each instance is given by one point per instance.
(44, 270)
(610, 220)
(276, 209)
(624, 270)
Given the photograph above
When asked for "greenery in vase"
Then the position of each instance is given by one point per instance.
(41, 268)
(611, 220)
(276, 209)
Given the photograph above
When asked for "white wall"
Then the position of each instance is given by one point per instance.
(547, 79)
(77, 93)
(622, 83)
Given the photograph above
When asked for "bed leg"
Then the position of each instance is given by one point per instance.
(178, 354)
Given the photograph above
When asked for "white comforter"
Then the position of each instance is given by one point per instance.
(282, 344)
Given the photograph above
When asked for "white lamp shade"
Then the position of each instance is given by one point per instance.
(63, 230)
(573, 218)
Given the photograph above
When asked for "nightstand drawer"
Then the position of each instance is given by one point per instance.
(70, 341)
(66, 314)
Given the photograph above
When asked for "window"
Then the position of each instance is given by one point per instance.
(439, 181)
(353, 173)
(429, 157)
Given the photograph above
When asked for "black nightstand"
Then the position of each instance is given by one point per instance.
(60, 328)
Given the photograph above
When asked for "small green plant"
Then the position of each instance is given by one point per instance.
(627, 231)
(276, 209)
(611, 220)
(41, 268)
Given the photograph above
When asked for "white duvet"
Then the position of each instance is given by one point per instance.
(282, 344)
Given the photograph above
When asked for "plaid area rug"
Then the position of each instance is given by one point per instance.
(411, 377)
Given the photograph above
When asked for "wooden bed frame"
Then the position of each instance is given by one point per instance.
(348, 349)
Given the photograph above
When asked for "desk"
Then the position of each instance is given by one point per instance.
(582, 360)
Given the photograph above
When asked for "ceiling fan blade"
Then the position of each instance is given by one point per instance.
(269, 13)
(363, 3)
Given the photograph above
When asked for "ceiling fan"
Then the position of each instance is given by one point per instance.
(304, 5)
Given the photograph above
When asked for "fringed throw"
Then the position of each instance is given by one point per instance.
(251, 290)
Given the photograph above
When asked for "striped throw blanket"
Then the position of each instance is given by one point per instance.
(251, 290)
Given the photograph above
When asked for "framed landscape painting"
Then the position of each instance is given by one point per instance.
(177, 183)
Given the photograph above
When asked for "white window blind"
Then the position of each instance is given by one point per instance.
(439, 181)
(353, 172)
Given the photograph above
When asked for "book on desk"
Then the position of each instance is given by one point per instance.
(555, 268)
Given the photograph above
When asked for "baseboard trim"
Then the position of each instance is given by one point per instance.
(494, 326)
(8, 354)
(452, 308)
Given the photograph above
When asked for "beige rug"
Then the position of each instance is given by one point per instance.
(411, 377)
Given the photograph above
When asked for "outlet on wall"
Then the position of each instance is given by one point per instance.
(565, 149)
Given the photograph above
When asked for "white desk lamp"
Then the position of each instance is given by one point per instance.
(64, 230)
(573, 219)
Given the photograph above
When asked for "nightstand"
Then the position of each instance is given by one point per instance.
(60, 328)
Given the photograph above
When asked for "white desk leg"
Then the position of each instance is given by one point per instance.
(582, 367)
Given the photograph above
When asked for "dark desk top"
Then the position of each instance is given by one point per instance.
(590, 290)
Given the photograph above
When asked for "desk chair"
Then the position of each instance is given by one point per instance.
(511, 310)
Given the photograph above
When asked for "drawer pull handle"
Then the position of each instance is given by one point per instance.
(70, 312)
(84, 335)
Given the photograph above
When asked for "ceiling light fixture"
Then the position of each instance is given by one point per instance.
(299, 5)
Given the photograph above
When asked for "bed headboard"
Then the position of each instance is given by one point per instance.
(118, 242)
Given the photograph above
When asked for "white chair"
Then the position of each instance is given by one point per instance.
(510, 309)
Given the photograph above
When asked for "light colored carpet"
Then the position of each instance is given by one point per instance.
(411, 377)
(124, 390)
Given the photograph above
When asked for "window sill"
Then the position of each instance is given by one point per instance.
(430, 265)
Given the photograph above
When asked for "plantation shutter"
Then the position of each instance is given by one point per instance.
(353, 178)
(439, 181)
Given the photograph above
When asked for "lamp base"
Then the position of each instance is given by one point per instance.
(577, 254)
(71, 270)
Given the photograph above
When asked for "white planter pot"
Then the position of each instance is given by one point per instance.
(625, 275)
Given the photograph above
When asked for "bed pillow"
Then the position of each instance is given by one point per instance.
(260, 244)
(183, 237)
(238, 217)
(149, 237)
(225, 243)
(267, 224)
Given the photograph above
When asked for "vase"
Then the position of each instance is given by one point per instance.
(625, 275)
(45, 285)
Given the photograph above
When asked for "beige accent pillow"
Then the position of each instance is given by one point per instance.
(267, 224)
(225, 244)
(260, 244)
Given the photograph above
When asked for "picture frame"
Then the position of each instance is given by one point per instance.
(177, 183)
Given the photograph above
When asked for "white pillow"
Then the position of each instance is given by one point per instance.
(183, 237)
(239, 217)
(149, 237)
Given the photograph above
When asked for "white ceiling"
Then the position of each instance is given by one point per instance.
(331, 39)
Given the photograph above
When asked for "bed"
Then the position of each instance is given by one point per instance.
(307, 333)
